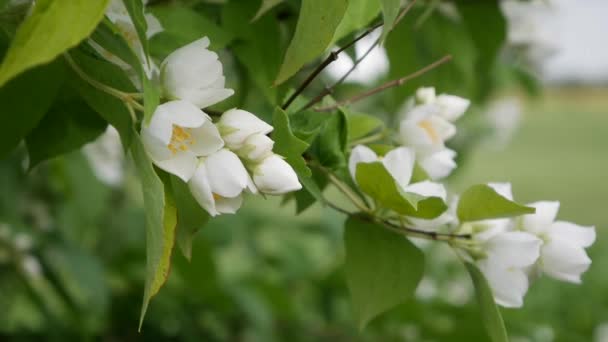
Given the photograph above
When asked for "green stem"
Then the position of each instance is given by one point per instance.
(369, 139)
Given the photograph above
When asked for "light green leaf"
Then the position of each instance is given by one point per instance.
(390, 11)
(67, 126)
(490, 314)
(53, 27)
(290, 147)
(361, 125)
(190, 216)
(358, 15)
(481, 202)
(377, 182)
(266, 6)
(315, 30)
(382, 268)
(108, 107)
(20, 112)
(182, 26)
(161, 221)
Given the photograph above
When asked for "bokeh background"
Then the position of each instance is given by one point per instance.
(72, 242)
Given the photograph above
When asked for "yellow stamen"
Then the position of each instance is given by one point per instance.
(181, 139)
(427, 126)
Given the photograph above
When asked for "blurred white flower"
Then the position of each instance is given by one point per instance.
(31, 266)
(219, 181)
(399, 162)
(504, 116)
(237, 125)
(179, 133)
(563, 253)
(106, 157)
(274, 176)
(439, 164)
(424, 130)
(193, 73)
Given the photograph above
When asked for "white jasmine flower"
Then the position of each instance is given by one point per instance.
(274, 176)
(438, 165)
(219, 181)
(237, 125)
(399, 162)
(193, 73)
(177, 135)
(256, 148)
(424, 129)
(563, 253)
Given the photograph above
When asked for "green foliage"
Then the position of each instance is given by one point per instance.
(161, 222)
(390, 11)
(481, 202)
(382, 269)
(68, 125)
(20, 113)
(490, 314)
(361, 125)
(136, 12)
(329, 147)
(317, 23)
(53, 27)
(358, 14)
(266, 6)
(376, 181)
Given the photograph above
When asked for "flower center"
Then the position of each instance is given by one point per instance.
(181, 139)
(427, 126)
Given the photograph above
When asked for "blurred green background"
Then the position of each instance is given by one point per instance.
(267, 275)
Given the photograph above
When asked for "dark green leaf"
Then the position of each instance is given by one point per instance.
(315, 30)
(481, 202)
(136, 12)
(266, 6)
(190, 216)
(66, 127)
(382, 269)
(107, 106)
(390, 11)
(53, 27)
(161, 221)
(20, 111)
(329, 148)
(358, 14)
(490, 314)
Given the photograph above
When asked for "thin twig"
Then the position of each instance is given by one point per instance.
(329, 90)
(401, 229)
(390, 84)
(334, 56)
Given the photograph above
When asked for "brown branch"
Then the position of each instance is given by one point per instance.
(334, 56)
(390, 84)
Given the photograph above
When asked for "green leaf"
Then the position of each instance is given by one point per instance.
(361, 125)
(358, 15)
(136, 12)
(190, 216)
(53, 27)
(161, 221)
(377, 182)
(20, 111)
(382, 269)
(329, 148)
(490, 314)
(290, 147)
(67, 126)
(488, 30)
(258, 47)
(107, 106)
(481, 202)
(182, 26)
(266, 6)
(390, 11)
(315, 30)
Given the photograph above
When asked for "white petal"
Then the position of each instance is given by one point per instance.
(227, 175)
(154, 26)
(179, 113)
(203, 98)
(428, 189)
(182, 164)
(443, 129)
(274, 176)
(503, 189)
(207, 139)
(228, 205)
(541, 220)
(256, 147)
(564, 261)
(201, 190)
(425, 95)
(236, 125)
(399, 162)
(360, 154)
(572, 233)
(439, 164)
(509, 286)
(513, 249)
(452, 107)
(156, 148)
